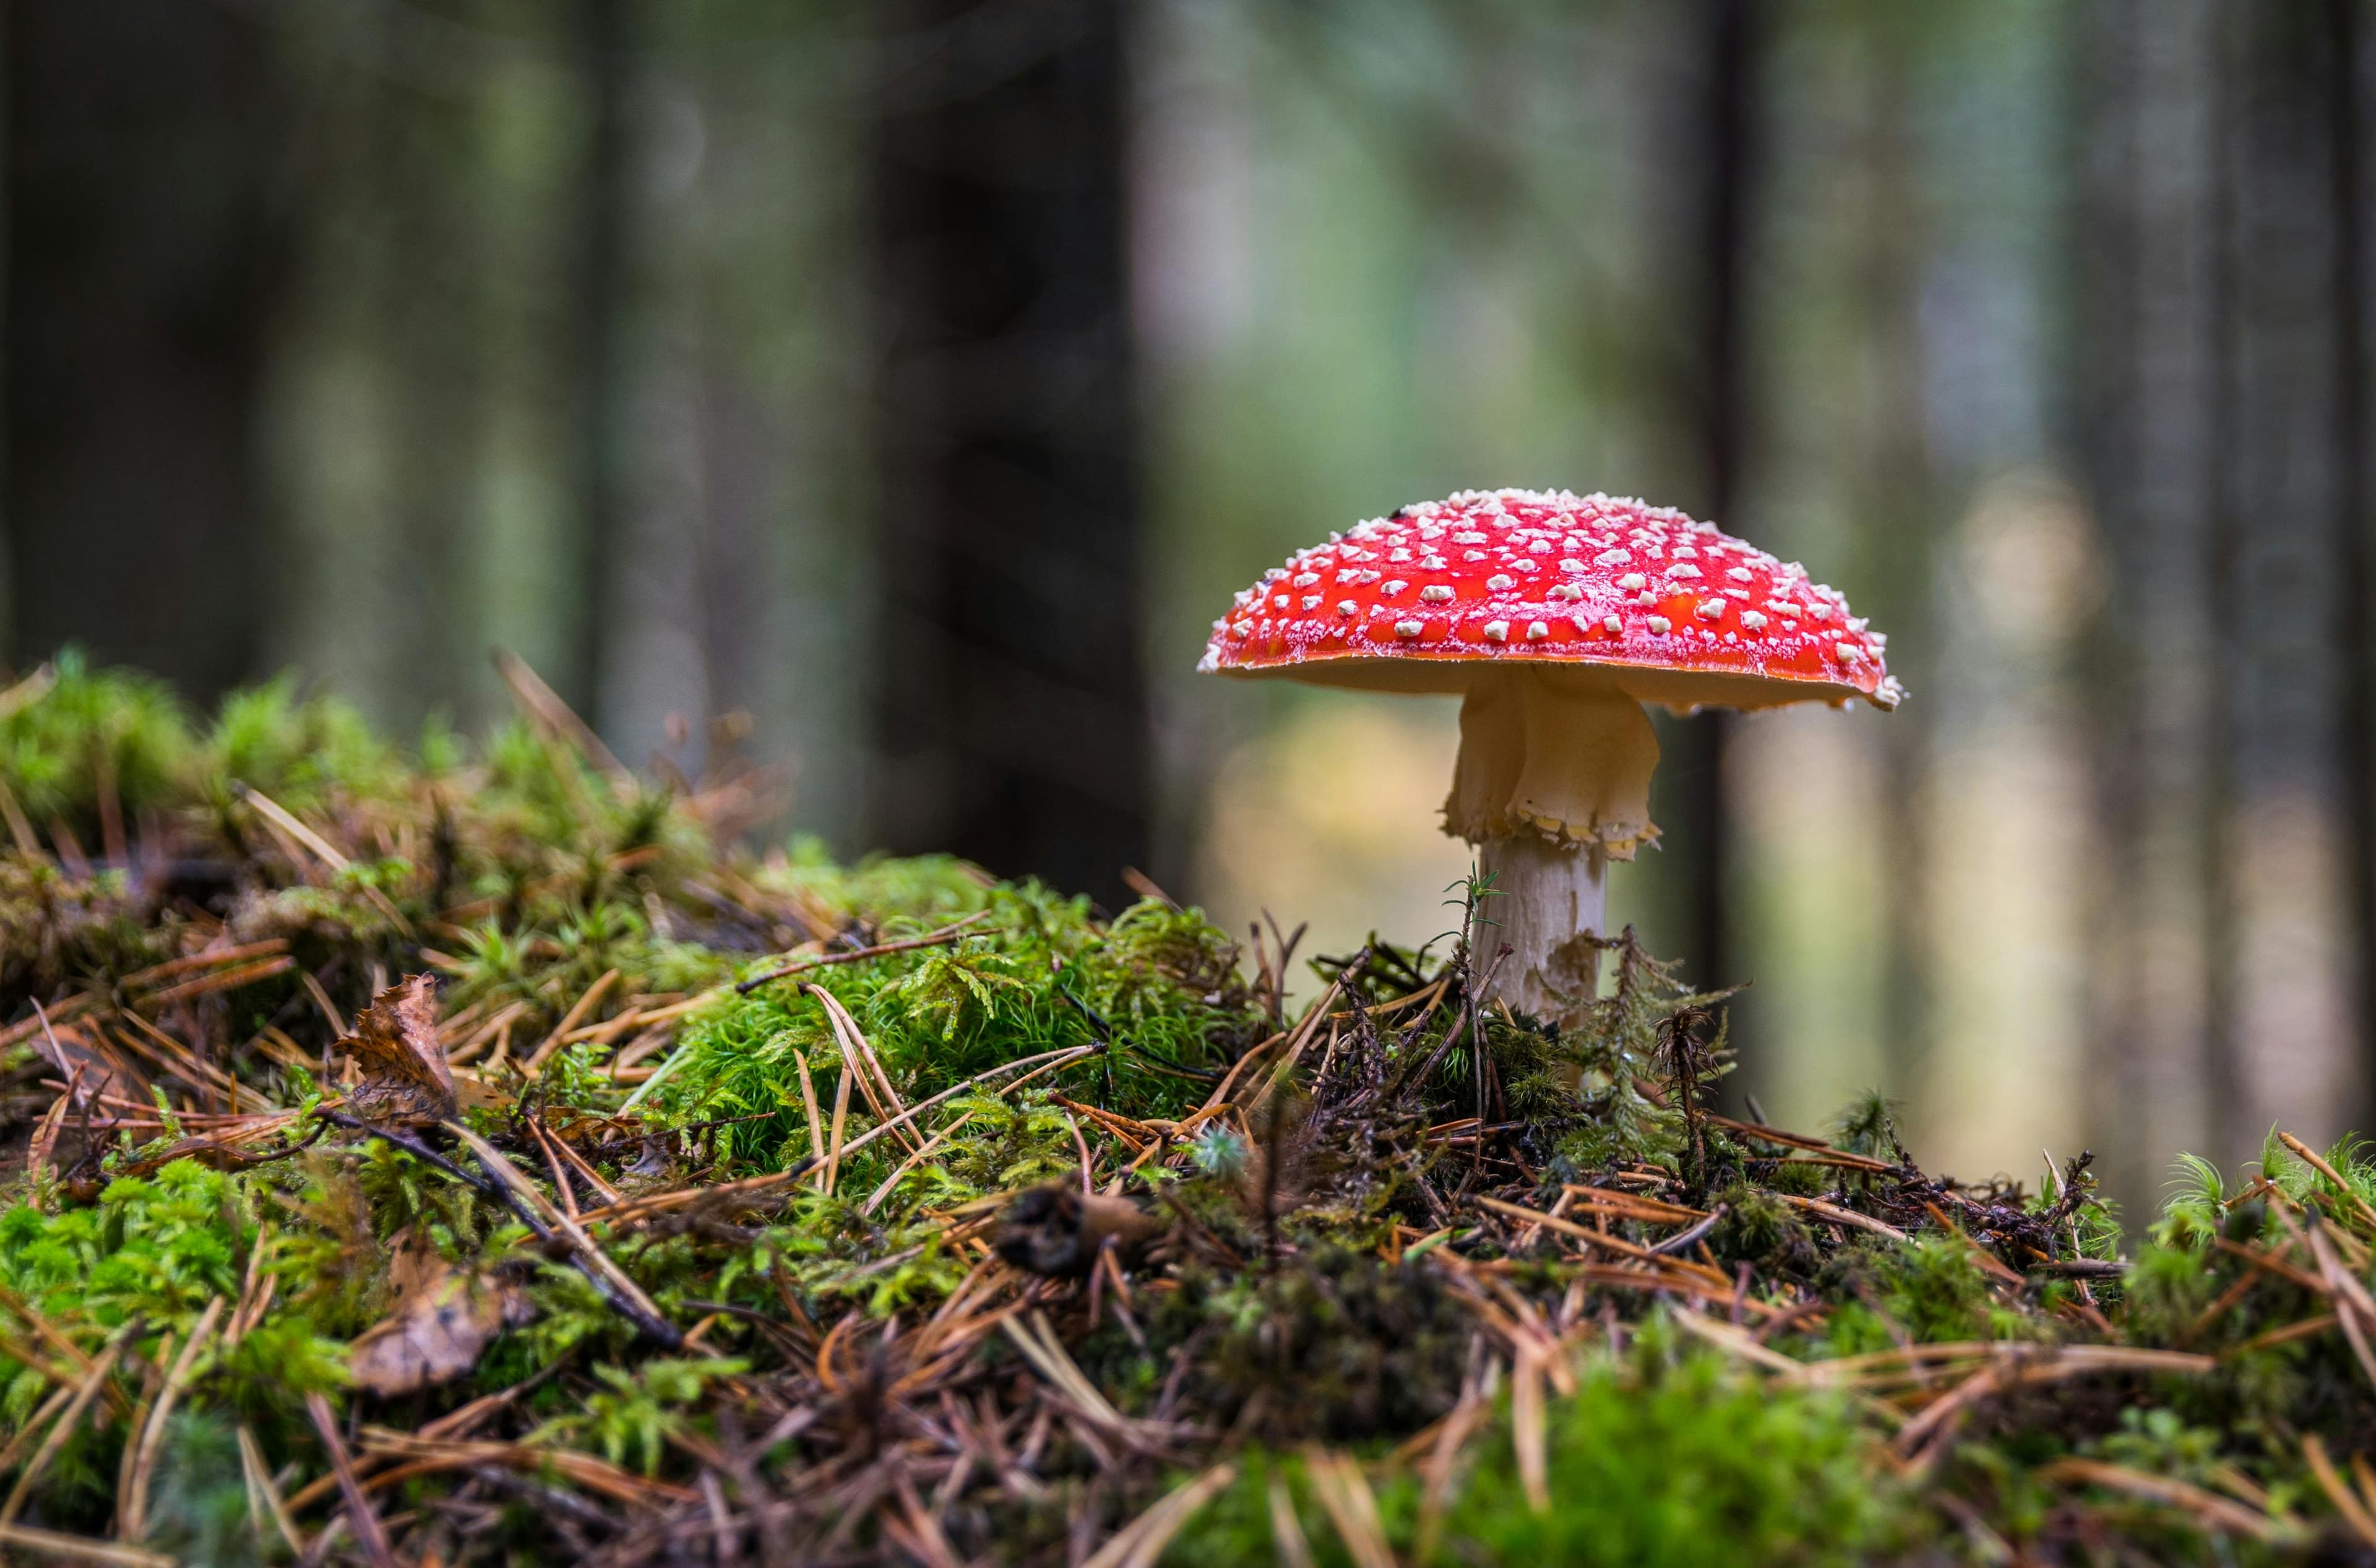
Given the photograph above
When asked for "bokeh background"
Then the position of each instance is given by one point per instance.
(890, 392)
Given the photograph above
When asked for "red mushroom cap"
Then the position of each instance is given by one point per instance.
(1674, 610)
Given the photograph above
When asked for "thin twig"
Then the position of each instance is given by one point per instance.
(860, 1052)
(288, 821)
(264, 1498)
(68, 1418)
(2350, 1195)
(360, 1516)
(1677, 1243)
(913, 1161)
(136, 1504)
(946, 934)
(537, 1213)
(569, 1020)
(82, 1548)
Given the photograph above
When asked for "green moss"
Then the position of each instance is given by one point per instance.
(55, 928)
(1651, 1463)
(1341, 1348)
(1036, 974)
(301, 751)
(1931, 1288)
(929, 890)
(157, 1249)
(1614, 1053)
(199, 1510)
(95, 725)
(1686, 1465)
(1761, 1229)
(1289, 1299)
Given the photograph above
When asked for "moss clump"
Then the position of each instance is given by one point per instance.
(710, 1248)
(98, 740)
(1340, 1347)
(1154, 991)
(1663, 1458)
(1760, 1228)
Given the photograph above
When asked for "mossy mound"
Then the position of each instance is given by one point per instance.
(724, 1204)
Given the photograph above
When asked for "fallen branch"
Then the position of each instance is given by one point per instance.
(537, 1213)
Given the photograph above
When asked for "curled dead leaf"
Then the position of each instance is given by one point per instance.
(443, 1321)
(395, 1044)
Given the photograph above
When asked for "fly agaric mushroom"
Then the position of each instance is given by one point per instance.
(1555, 617)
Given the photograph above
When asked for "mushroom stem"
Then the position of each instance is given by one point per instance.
(1554, 782)
(1550, 898)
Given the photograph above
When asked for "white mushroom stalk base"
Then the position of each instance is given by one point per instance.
(1553, 782)
(1553, 899)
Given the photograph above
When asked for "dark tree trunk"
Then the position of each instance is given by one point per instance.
(2230, 644)
(599, 307)
(2148, 354)
(2285, 502)
(1700, 837)
(2226, 332)
(1900, 547)
(144, 242)
(1010, 715)
(2346, 38)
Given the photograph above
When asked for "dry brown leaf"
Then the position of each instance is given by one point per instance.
(443, 1321)
(394, 1043)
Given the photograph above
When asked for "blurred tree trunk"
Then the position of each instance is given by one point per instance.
(422, 163)
(1898, 552)
(2225, 445)
(2286, 880)
(1010, 716)
(145, 242)
(599, 309)
(1724, 153)
(2149, 358)
(2347, 67)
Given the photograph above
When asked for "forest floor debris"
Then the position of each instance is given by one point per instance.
(478, 1156)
